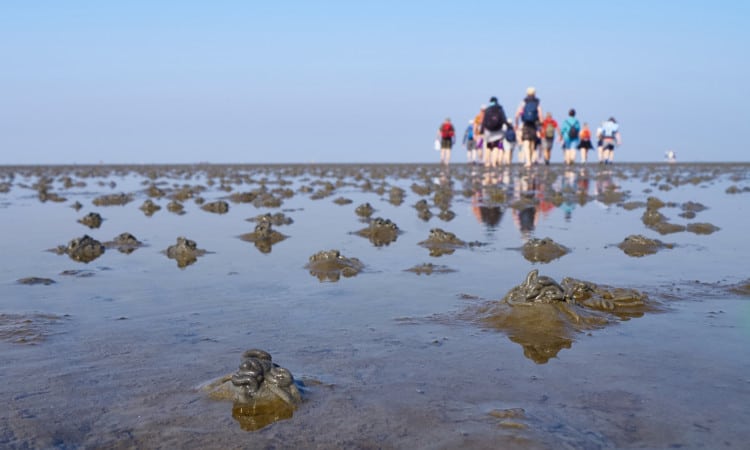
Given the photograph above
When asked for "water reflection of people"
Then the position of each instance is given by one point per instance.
(525, 203)
(582, 186)
(486, 203)
(568, 189)
(531, 194)
(527, 219)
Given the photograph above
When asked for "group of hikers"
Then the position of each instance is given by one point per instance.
(491, 137)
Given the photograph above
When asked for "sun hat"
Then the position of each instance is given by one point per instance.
(530, 90)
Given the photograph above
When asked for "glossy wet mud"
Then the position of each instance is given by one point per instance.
(107, 342)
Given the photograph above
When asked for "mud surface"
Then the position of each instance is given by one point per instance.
(331, 265)
(115, 352)
(380, 232)
(638, 245)
(543, 250)
(185, 251)
(264, 236)
(262, 391)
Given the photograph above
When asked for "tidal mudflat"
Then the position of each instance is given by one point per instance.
(415, 306)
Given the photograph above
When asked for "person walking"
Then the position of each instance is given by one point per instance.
(585, 145)
(447, 135)
(509, 144)
(470, 143)
(570, 139)
(549, 131)
(479, 145)
(599, 145)
(492, 129)
(528, 114)
(610, 139)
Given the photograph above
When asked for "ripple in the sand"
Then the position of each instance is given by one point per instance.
(27, 328)
(429, 269)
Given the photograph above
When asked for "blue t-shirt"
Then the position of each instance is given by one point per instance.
(570, 122)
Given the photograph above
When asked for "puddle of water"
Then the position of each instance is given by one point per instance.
(389, 356)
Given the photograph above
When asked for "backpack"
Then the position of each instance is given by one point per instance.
(446, 131)
(573, 132)
(494, 118)
(549, 132)
(510, 134)
(608, 132)
(530, 111)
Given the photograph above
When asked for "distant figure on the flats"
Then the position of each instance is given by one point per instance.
(585, 145)
(529, 114)
(492, 128)
(478, 134)
(610, 139)
(470, 143)
(599, 145)
(570, 131)
(671, 156)
(549, 131)
(447, 135)
(509, 144)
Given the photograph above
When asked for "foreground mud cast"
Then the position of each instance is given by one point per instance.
(544, 316)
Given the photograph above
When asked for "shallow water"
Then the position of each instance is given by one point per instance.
(112, 354)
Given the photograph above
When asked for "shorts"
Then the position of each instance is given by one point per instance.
(585, 144)
(569, 144)
(495, 145)
(528, 131)
(547, 143)
(446, 143)
(609, 144)
(493, 136)
(471, 145)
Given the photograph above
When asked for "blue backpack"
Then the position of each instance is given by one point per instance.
(530, 111)
(573, 131)
(510, 134)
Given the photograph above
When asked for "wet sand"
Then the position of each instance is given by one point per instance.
(112, 353)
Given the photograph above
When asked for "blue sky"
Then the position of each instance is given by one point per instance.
(339, 81)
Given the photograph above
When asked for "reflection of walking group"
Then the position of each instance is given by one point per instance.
(491, 137)
(532, 195)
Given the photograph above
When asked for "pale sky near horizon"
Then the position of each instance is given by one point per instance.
(339, 81)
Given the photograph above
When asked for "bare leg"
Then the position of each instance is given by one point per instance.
(528, 149)
(508, 155)
(496, 154)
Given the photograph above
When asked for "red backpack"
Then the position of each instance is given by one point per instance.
(446, 131)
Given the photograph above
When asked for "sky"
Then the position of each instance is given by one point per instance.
(88, 82)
